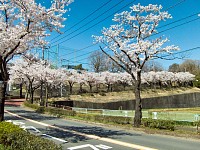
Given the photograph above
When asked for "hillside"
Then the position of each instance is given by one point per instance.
(129, 95)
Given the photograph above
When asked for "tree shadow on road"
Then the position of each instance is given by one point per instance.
(68, 136)
(99, 131)
(75, 138)
(31, 115)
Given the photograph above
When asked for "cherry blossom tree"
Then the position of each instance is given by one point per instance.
(90, 79)
(32, 73)
(110, 79)
(23, 25)
(125, 79)
(72, 76)
(132, 45)
(80, 81)
(27, 71)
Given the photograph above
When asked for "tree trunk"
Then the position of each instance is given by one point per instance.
(46, 95)
(31, 92)
(90, 88)
(2, 99)
(97, 87)
(4, 76)
(108, 87)
(41, 94)
(124, 85)
(81, 88)
(138, 101)
(26, 94)
(20, 90)
(111, 88)
(70, 88)
(31, 96)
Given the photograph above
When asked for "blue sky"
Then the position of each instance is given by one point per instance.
(185, 36)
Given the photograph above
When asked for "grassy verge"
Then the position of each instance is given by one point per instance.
(168, 127)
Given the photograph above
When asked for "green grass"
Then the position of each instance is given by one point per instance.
(2, 147)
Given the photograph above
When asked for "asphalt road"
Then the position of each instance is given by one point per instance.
(75, 135)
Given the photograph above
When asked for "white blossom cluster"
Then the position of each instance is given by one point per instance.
(34, 73)
(38, 71)
(130, 38)
(24, 24)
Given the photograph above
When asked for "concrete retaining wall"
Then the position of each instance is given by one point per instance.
(173, 101)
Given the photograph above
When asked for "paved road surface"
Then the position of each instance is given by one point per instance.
(86, 136)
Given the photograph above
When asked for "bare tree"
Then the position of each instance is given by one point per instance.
(174, 68)
(192, 66)
(97, 61)
(152, 66)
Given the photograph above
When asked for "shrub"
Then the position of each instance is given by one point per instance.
(15, 138)
(102, 94)
(51, 110)
(59, 111)
(120, 120)
(105, 119)
(89, 117)
(28, 104)
(40, 109)
(159, 124)
(27, 141)
(6, 129)
(2, 147)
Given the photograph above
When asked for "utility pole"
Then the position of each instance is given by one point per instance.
(57, 56)
(42, 103)
(41, 86)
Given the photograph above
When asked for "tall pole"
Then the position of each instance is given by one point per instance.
(41, 87)
(48, 55)
(57, 56)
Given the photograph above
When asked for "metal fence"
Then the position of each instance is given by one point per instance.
(170, 115)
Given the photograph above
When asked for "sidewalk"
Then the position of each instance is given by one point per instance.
(14, 102)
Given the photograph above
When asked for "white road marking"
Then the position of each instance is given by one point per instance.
(16, 122)
(55, 138)
(125, 144)
(35, 130)
(83, 146)
(103, 146)
(30, 128)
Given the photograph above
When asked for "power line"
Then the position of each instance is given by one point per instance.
(158, 32)
(89, 21)
(83, 19)
(80, 49)
(96, 23)
(157, 28)
(195, 14)
(164, 56)
(176, 5)
(191, 49)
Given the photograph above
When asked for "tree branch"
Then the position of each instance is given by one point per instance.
(126, 69)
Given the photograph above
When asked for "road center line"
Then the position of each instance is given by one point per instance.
(125, 144)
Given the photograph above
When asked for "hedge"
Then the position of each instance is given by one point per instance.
(51, 110)
(151, 123)
(15, 138)
(159, 124)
